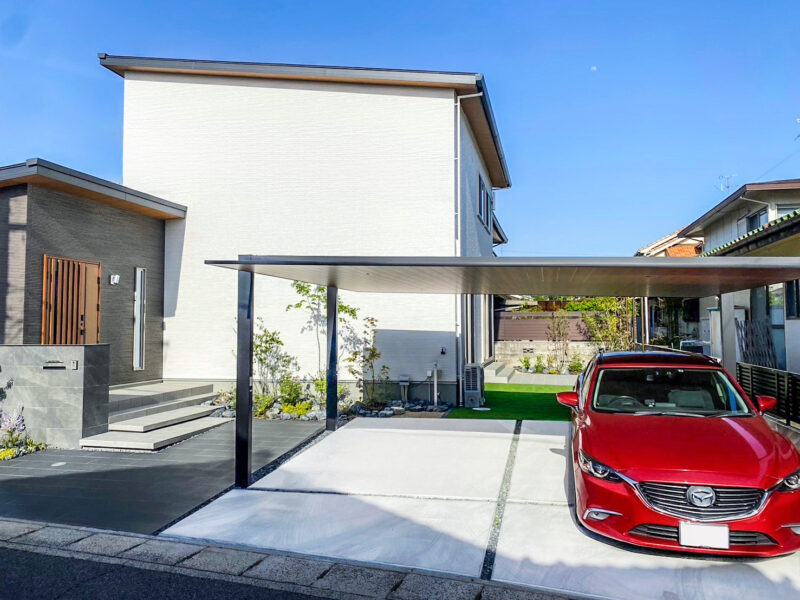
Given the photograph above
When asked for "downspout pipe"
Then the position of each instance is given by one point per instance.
(460, 348)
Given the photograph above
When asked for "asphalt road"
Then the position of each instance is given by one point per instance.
(31, 575)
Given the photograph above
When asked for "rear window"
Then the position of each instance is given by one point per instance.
(703, 392)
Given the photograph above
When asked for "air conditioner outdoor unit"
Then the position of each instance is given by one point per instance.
(473, 385)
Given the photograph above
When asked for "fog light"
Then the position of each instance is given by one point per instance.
(599, 514)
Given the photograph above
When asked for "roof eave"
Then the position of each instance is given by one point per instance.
(38, 171)
(463, 82)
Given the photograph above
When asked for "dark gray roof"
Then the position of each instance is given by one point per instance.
(464, 82)
(696, 228)
(627, 276)
(52, 175)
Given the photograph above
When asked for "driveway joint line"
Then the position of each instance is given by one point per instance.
(372, 494)
(494, 535)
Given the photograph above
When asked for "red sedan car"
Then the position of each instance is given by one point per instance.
(670, 453)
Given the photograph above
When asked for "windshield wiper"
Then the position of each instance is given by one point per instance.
(730, 413)
(667, 413)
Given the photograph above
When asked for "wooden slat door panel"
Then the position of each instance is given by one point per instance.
(70, 301)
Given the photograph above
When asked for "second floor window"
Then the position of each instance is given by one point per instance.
(485, 202)
(751, 222)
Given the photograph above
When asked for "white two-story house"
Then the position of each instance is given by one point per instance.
(308, 160)
(758, 219)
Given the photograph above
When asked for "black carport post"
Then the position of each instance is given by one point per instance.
(332, 382)
(244, 380)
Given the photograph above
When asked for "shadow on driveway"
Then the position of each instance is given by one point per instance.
(136, 492)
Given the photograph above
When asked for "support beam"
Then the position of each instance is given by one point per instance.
(646, 320)
(244, 381)
(332, 393)
(727, 322)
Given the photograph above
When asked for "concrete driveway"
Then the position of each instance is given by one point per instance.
(478, 498)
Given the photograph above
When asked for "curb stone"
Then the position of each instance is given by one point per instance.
(319, 577)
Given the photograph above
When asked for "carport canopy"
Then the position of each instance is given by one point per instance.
(626, 276)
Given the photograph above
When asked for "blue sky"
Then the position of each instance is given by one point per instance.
(616, 118)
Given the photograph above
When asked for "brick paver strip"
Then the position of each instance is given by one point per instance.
(289, 569)
(222, 560)
(416, 586)
(305, 575)
(108, 544)
(365, 581)
(12, 529)
(56, 537)
(162, 552)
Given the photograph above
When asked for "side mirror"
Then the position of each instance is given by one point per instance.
(766, 403)
(568, 399)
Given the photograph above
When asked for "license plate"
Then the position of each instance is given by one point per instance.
(700, 535)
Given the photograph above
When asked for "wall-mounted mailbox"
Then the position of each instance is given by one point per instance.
(55, 365)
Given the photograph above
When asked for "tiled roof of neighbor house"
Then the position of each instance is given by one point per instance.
(478, 108)
(762, 231)
(60, 178)
(684, 251)
(670, 244)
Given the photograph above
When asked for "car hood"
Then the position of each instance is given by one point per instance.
(739, 451)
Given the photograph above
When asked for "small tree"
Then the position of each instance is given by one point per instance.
(558, 336)
(608, 322)
(271, 362)
(363, 365)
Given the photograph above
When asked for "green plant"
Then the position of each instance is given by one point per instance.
(14, 440)
(525, 361)
(227, 398)
(363, 365)
(299, 409)
(575, 364)
(261, 404)
(558, 336)
(610, 323)
(290, 390)
(269, 359)
(539, 364)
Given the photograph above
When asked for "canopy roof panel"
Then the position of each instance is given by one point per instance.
(626, 276)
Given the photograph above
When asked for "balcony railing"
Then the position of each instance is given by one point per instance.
(783, 385)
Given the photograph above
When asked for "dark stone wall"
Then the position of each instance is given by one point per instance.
(67, 226)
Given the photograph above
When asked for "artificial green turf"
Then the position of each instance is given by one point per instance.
(515, 401)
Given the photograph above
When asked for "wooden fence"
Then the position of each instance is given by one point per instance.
(516, 326)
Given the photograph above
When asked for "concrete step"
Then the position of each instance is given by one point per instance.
(137, 396)
(154, 409)
(151, 440)
(163, 419)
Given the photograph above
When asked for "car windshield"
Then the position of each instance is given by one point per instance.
(668, 391)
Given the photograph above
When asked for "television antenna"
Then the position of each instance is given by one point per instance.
(725, 182)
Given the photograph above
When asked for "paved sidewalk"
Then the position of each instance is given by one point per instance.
(134, 491)
(75, 562)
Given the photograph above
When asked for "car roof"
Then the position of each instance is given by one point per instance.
(685, 359)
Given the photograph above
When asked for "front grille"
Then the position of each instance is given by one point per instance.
(730, 503)
(738, 538)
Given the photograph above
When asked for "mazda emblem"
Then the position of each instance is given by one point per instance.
(701, 496)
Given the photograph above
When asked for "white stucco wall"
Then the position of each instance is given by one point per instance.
(276, 167)
(476, 237)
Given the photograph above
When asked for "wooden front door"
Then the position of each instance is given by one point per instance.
(70, 301)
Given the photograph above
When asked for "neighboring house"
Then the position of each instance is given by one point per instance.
(758, 219)
(673, 319)
(83, 263)
(305, 160)
(673, 246)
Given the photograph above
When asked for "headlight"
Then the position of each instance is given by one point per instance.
(791, 482)
(596, 468)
